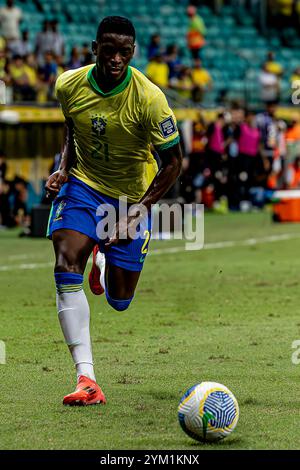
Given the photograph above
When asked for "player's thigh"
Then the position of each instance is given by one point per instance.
(120, 282)
(72, 250)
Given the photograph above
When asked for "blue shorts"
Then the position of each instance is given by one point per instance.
(75, 208)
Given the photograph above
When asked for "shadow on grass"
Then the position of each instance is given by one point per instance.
(222, 444)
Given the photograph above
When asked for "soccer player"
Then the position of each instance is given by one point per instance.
(113, 114)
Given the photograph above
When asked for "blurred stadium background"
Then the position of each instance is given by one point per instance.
(226, 66)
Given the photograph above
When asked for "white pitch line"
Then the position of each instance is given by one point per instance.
(177, 249)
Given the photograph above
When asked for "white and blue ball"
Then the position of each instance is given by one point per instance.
(208, 412)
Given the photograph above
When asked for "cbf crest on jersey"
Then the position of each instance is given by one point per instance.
(59, 210)
(98, 125)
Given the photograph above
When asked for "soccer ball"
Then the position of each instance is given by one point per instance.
(208, 412)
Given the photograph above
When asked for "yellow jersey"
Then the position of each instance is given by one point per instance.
(201, 77)
(113, 131)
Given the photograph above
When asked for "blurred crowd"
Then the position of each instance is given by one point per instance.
(231, 163)
(234, 161)
(30, 68)
(13, 199)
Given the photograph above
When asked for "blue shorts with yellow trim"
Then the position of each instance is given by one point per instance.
(75, 208)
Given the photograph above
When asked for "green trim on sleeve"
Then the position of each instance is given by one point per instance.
(167, 145)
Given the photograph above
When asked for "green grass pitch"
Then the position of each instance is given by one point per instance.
(228, 315)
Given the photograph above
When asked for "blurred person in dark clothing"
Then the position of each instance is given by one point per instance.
(6, 218)
(48, 74)
(267, 125)
(20, 210)
(58, 43)
(3, 165)
(21, 46)
(43, 42)
(154, 47)
(86, 55)
(75, 60)
(173, 61)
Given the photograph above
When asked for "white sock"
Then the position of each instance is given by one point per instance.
(74, 316)
(100, 262)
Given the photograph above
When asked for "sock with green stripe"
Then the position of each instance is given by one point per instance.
(74, 316)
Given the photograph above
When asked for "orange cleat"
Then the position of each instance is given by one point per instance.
(94, 276)
(87, 392)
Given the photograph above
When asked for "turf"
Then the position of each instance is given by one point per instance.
(228, 315)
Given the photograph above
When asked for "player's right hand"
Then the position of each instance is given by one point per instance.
(55, 182)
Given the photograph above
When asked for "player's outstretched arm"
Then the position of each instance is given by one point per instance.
(59, 177)
(171, 159)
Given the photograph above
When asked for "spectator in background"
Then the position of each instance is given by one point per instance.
(3, 65)
(31, 70)
(184, 83)
(43, 42)
(201, 79)
(10, 17)
(272, 66)
(58, 43)
(295, 75)
(6, 219)
(21, 46)
(248, 138)
(3, 166)
(196, 32)
(2, 44)
(267, 125)
(61, 67)
(157, 71)
(75, 60)
(154, 47)
(20, 77)
(20, 210)
(215, 143)
(173, 61)
(47, 75)
(86, 55)
(270, 85)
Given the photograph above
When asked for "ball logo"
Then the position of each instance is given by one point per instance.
(222, 409)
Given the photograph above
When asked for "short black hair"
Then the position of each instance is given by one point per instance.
(116, 24)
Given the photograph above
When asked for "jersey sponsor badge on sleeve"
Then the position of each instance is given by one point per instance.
(168, 127)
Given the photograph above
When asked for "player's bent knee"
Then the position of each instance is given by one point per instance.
(118, 304)
(67, 268)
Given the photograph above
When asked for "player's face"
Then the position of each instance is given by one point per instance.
(114, 53)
